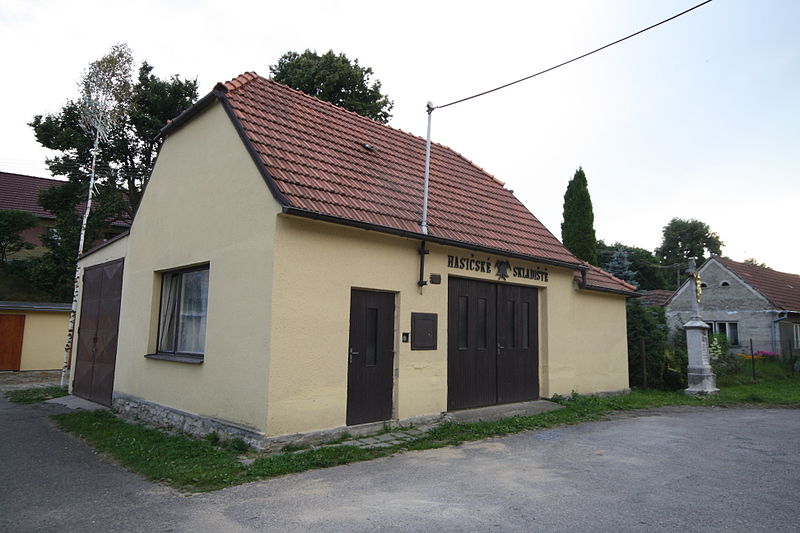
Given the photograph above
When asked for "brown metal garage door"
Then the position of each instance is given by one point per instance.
(492, 344)
(12, 328)
(97, 333)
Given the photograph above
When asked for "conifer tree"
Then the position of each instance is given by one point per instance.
(577, 229)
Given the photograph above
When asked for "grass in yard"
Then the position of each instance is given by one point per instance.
(36, 394)
(200, 465)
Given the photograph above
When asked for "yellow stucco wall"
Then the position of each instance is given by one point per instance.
(588, 345)
(279, 296)
(582, 334)
(206, 202)
(43, 339)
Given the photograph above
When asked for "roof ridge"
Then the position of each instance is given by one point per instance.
(362, 118)
(2, 172)
(241, 80)
(766, 270)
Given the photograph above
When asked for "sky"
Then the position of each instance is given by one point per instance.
(697, 118)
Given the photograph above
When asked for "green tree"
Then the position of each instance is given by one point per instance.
(683, 239)
(12, 224)
(621, 266)
(650, 274)
(648, 323)
(755, 262)
(335, 79)
(124, 162)
(577, 229)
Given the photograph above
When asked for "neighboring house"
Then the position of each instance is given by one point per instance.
(745, 302)
(276, 281)
(21, 192)
(656, 297)
(32, 335)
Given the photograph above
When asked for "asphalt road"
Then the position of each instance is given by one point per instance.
(674, 469)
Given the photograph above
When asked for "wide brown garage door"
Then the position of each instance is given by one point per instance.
(493, 344)
(97, 334)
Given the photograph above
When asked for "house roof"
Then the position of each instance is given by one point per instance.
(35, 306)
(322, 161)
(780, 288)
(21, 192)
(658, 297)
(18, 191)
(599, 280)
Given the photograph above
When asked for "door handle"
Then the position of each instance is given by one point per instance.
(352, 353)
(499, 348)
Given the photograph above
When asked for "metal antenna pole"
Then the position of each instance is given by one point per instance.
(424, 224)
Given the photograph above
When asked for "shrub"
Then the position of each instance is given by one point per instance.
(238, 445)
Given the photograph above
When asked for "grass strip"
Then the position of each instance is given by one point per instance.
(35, 395)
(199, 465)
(176, 460)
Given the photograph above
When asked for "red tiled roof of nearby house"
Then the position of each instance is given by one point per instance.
(780, 288)
(21, 192)
(657, 297)
(18, 191)
(599, 279)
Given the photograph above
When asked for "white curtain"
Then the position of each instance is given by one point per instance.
(167, 320)
(193, 308)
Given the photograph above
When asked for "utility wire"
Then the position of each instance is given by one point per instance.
(573, 59)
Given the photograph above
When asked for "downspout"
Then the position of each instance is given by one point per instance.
(422, 253)
(774, 331)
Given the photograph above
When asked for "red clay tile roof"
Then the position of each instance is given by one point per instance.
(780, 288)
(18, 191)
(656, 297)
(322, 160)
(316, 153)
(600, 280)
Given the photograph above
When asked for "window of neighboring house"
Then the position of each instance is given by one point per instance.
(729, 329)
(184, 306)
(796, 336)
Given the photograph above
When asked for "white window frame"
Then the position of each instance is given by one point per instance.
(723, 326)
(796, 327)
(172, 315)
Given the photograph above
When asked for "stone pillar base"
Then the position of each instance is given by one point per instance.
(701, 381)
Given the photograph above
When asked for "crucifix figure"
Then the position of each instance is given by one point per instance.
(698, 290)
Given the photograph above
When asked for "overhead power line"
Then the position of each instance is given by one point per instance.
(571, 60)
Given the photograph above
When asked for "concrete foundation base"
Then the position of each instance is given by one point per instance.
(701, 381)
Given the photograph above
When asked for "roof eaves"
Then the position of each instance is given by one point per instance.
(104, 244)
(289, 210)
(177, 122)
(35, 306)
(595, 288)
(254, 155)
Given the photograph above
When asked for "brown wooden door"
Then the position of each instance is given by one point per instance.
(471, 344)
(493, 341)
(370, 357)
(97, 335)
(517, 344)
(12, 329)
